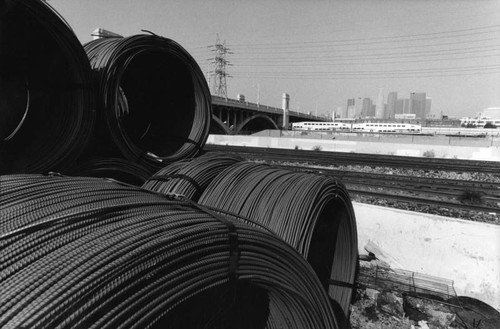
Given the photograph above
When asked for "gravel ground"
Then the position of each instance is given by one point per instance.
(492, 218)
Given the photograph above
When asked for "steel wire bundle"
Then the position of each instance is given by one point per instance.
(190, 178)
(313, 213)
(116, 168)
(91, 253)
(153, 99)
(46, 103)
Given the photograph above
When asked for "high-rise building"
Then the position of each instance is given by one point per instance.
(351, 108)
(379, 108)
(428, 103)
(402, 106)
(417, 104)
(392, 98)
(359, 107)
(367, 110)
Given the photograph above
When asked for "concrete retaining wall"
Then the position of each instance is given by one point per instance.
(463, 251)
(404, 149)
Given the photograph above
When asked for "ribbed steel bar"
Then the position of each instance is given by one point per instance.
(46, 104)
(154, 102)
(121, 169)
(190, 178)
(92, 253)
(311, 212)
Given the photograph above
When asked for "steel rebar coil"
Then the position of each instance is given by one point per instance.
(153, 99)
(313, 213)
(91, 253)
(190, 178)
(46, 103)
(119, 169)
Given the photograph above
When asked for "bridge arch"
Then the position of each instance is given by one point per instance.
(256, 123)
(218, 127)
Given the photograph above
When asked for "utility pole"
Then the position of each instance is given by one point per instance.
(220, 62)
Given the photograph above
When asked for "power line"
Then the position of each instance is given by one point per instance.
(326, 59)
(418, 37)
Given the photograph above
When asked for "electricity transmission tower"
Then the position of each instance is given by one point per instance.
(220, 62)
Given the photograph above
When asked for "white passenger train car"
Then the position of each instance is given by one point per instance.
(364, 127)
(321, 126)
(387, 127)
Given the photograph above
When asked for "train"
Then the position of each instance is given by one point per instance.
(361, 127)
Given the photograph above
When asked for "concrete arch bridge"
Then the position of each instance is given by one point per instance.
(233, 117)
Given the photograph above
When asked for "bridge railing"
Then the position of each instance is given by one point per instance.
(259, 107)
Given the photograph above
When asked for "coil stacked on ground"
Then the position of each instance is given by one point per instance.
(153, 99)
(90, 253)
(190, 178)
(47, 107)
(119, 169)
(313, 213)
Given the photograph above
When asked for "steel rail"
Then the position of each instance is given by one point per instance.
(454, 189)
(372, 160)
(424, 201)
(47, 109)
(393, 179)
(92, 253)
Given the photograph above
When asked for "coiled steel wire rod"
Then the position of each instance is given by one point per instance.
(190, 178)
(153, 99)
(46, 103)
(116, 168)
(311, 212)
(92, 253)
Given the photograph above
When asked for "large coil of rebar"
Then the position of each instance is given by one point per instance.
(91, 253)
(46, 101)
(190, 178)
(311, 212)
(153, 99)
(119, 169)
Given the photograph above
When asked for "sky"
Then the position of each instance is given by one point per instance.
(323, 52)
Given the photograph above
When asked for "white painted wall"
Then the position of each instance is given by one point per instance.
(449, 151)
(463, 251)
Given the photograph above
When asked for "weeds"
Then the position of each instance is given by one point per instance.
(472, 197)
(429, 154)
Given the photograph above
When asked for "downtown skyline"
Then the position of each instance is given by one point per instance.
(323, 52)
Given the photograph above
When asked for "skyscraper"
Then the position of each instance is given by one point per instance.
(392, 98)
(428, 103)
(351, 108)
(417, 104)
(359, 107)
(367, 110)
(379, 108)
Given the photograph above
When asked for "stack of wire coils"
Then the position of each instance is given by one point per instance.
(313, 213)
(190, 178)
(153, 100)
(46, 99)
(92, 253)
(116, 168)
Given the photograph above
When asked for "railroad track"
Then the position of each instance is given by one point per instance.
(446, 193)
(343, 158)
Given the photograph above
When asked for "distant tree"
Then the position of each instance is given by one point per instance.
(490, 125)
